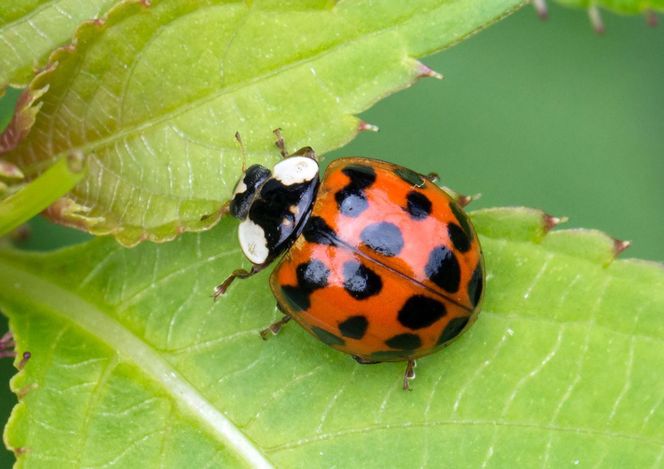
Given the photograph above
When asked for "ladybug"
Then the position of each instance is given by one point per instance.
(377, 261)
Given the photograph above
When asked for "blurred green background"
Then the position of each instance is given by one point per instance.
(546, 115)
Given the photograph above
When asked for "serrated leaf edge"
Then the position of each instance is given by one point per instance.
(131, 235)
(548, 224)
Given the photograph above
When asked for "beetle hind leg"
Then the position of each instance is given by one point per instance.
(275, 327)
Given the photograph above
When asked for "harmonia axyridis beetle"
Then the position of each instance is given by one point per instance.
(379, 262)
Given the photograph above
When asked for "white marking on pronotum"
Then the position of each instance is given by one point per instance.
(294, 170)
(253, 241)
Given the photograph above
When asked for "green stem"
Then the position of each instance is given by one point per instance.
(59, 179)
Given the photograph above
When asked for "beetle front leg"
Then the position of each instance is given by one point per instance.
(239, 273)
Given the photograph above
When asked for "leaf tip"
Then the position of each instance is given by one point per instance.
(550, 222)
(464, 200)
(425, 72)
(366, 127)
(541, 9)
(619, 246)
(596, 19)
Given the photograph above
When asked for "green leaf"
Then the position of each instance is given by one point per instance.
(31, 29)
(36, 196)
(154, 93)
(133, 364)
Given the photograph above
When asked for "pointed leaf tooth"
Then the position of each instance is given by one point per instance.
(595, 16)
(425, 72)
(464, 200)
(366, 127)
(619, 246)
(550, 222)
(541, 9)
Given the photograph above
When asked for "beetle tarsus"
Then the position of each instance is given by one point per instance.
(409, 375)
(280, 143)
(274, 328)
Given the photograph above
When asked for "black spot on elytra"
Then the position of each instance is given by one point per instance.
(361, 176)
(311, 276)
(462, 218)
(319, 232)
(350, 203)
(420, 311)
(458, 236)
(443, 269)
(360, 281)
(404, 342)
(418, 205)
(351, 199)
(354, 327)
(327, 337)
(475, 285)
(297, 297)
(453, 329)
(410, 176)
(384, 238)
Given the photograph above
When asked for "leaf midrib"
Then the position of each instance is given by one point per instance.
(130, 348)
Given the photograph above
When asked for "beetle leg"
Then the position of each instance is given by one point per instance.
(409, 374)
(275, 327)
(239, 273)
(432, 177)
(281, 145)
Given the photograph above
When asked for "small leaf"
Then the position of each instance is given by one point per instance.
(153, 94)
(134, 365)
(22, 121)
